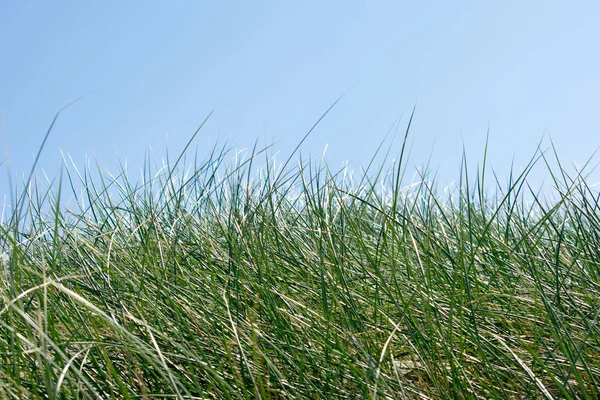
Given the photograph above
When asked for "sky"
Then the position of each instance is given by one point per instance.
(523, 70)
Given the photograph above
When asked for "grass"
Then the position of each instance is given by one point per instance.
(229, 277)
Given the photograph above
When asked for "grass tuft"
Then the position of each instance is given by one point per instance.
(231, 278)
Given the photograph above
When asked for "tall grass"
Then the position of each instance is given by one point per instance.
(233, 277)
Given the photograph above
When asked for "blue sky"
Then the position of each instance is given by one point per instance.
(270, 69)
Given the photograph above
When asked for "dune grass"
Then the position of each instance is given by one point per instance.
(231, 277)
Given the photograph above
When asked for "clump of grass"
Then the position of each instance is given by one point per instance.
(238, 279)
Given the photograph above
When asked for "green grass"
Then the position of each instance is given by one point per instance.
(231, 277)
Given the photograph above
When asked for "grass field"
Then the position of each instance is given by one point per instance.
(224, 277)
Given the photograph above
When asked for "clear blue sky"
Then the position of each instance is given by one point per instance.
(270, 69)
